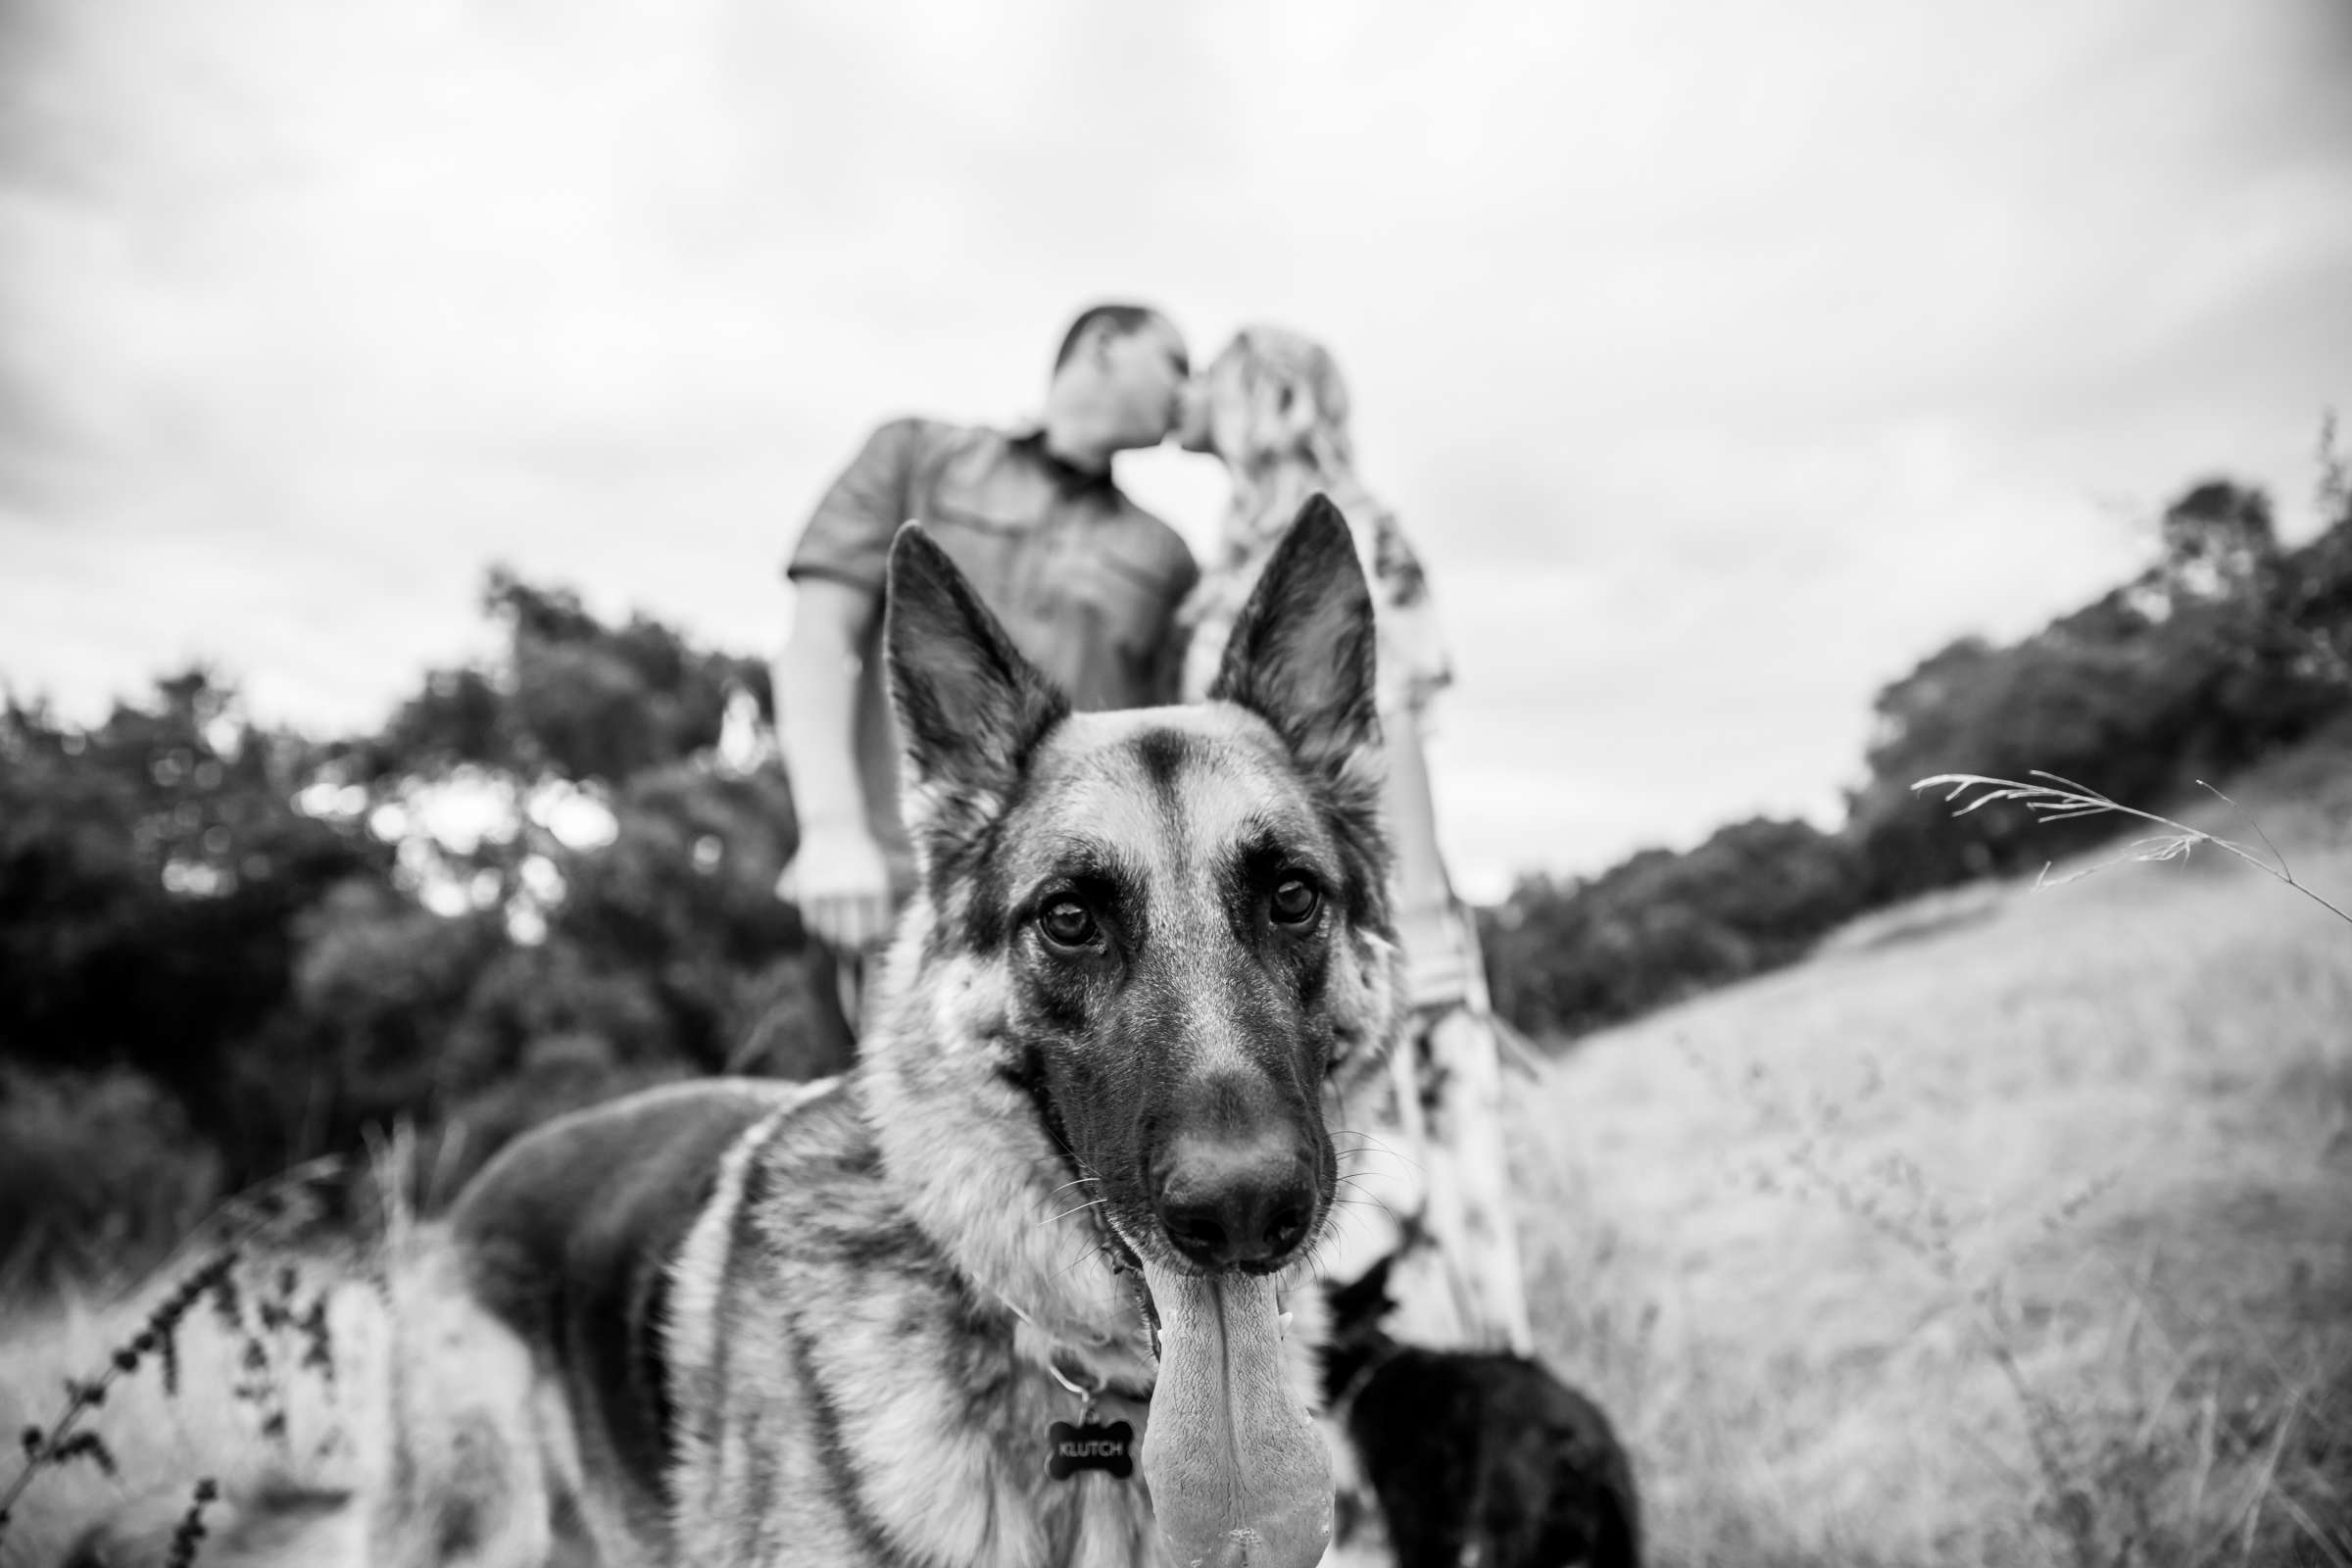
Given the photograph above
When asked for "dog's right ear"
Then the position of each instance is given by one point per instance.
(1357, 1307)
(970, 708)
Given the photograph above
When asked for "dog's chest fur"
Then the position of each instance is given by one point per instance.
(844, 1394)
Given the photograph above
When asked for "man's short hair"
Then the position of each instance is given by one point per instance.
(1118, 320)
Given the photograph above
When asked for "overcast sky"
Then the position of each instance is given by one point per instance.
(1722, 359)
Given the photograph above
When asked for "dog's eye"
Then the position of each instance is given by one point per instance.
(1068, 923)
(1296, 901)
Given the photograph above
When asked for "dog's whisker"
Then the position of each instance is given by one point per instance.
(1371, 1159)
(1084, 1256)
(1368, 1154)
(1364, 1159)
(1370, 1139)
(1367, 1200)
(1088, 1244)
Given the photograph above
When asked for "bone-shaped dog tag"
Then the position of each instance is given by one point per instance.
(1090, 1445)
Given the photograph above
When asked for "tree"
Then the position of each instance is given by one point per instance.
(295, 942)
(2225, 646)
(1578, 954)
(150, 870)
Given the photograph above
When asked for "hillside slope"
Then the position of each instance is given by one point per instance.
(2027, 1239)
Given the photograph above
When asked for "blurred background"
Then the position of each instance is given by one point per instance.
(405, 414)
(405, 411)
(1722, 362)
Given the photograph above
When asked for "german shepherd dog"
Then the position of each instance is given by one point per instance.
(934, 1312)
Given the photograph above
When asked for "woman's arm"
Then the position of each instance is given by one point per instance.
(1435, 964)
(1413, 816)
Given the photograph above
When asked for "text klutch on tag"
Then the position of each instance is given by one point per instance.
(1090, 1445)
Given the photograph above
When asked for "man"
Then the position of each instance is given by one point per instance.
(1084, 581)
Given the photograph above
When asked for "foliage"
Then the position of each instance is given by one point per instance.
(543, 879)
(152, 871)
(2226, 647)
(1573, 956)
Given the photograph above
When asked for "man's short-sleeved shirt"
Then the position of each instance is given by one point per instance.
(1084, 581)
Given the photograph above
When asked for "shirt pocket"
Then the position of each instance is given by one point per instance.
(1132, 601)
(1125, 610)
(988, 549)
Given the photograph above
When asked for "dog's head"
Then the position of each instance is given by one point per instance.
(1189, 904)
(1181, 914)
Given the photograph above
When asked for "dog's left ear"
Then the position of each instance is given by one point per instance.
(1302, 649)
(970, 708)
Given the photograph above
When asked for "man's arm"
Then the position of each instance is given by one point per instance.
(838, 877)
(816, 697)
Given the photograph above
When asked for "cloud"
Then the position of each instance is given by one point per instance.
(1723, 360)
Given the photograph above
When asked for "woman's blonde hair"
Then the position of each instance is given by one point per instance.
(1278, 414)
(1283, 397)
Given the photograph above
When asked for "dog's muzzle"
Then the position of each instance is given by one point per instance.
(1237, 1204)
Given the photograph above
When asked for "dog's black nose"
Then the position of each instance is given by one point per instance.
(1237, 1204)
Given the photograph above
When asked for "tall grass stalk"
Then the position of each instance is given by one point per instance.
(2062, 800)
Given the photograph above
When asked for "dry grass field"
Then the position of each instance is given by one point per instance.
(2014, 1230)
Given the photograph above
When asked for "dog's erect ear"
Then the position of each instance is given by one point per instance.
(1357, 1307)
(1303, 648)
(970, 708)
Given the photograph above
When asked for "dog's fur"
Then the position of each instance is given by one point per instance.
(1475, 1456)
(751, 1323)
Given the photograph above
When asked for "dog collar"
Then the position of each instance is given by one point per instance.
(1091, 1385)
(1082, 1380)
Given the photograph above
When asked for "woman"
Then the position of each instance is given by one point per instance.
(1272, 406)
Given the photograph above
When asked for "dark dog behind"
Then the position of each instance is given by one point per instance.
(1476, 1456)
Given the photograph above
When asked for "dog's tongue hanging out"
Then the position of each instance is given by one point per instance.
(1238, 1473)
